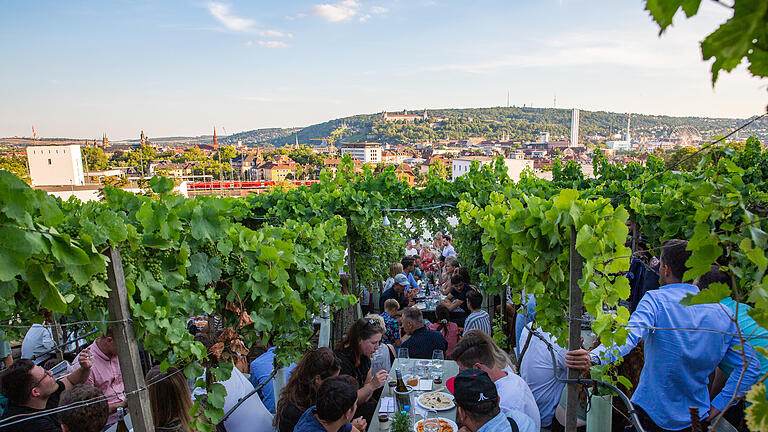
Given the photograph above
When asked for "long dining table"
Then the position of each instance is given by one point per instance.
(450, 370)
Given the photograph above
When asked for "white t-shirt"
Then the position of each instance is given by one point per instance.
(449, 251)
(411, 252)
(251, 415)
(514, 394)
(536, 370)
(38, 340)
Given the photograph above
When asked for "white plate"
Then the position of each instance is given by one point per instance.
(450, 422)
(446, 395)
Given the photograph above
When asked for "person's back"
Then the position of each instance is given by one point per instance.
(260, 370)
(251, 415)
(38, 344)
(537, 371)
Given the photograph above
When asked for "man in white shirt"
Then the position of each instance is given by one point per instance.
(448, 249)
(38, 344)
(410, 249)
(474, 352)
(537, 370)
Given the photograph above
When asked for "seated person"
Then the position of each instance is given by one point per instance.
(476, 350)
(448, 329)
(261, 370)
(90, 417)
(38, 344)
(302, 390)
(419, 340)
(30, 389)
(450, 268)
(170, 400)
(398, 293)
(335, 410)
(536, 370)
(478, 318)
(392, 333)
(456, 300)
(477, 403)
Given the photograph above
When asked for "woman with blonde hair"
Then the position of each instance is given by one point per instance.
(170, 400)
(394, 270)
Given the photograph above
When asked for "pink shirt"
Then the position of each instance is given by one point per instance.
(451, 336)
(105, 376)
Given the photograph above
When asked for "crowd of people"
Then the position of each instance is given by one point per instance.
(337, 389)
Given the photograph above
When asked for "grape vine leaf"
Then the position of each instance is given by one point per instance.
(757, 412)
(206, 270)
(663, 11)
(713, 294)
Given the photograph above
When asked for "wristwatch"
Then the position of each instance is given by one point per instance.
(595, 358)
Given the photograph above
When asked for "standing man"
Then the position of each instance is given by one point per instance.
(678, 362)
(478, 408)
(30, 390)
(105, 374)
(419, 340)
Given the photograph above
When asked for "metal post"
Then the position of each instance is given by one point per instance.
(325, 326)
(127, 346)
(574, 333)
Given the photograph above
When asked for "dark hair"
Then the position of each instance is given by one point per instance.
(300, 390)
(406, 262)
(443, 316)
(339, 396)
(471, 350)
(714, 275)
(448, 236)
(17, 381)
(362, 329)
(169, 397)
(674, 255)
(482, 412)
(464, 273)
(91, 417)
(474, 299)
(457, 279)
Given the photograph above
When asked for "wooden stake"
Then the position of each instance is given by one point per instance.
(574, 333)
(127, 346)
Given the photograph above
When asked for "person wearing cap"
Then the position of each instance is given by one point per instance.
(397, 292)
(476, 350)
(478, 408)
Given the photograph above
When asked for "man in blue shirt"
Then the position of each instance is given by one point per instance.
(408, 266)
(261, 368)
(420, 341)
(678, 362)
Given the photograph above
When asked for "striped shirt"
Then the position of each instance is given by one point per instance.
(478, 320)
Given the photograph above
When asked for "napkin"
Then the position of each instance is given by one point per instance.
(387, 405)
(424, 385)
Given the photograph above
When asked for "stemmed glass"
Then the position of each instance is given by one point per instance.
(402, 353)
(438, 356)
(431, 422)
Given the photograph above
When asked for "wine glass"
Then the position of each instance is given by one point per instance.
(431, 422)
(402, 353)
(438, 356)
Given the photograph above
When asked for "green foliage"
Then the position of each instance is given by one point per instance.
(94, 158)
(16, 165)
(744, 34)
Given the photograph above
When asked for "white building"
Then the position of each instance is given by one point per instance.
(364, 152)
(575, 128)
(515, 167)
(53, 165)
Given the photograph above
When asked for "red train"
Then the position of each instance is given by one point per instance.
(243, 184)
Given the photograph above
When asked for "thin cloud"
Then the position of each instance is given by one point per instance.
(249, 43)
(378, 10)
(273, 44)
(295, 17)
(336, 12)
(274, 34)
(365, 17)
(223, 13)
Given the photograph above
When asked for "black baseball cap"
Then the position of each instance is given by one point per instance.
(474, 391)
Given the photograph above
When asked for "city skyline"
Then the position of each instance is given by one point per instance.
(181, 68)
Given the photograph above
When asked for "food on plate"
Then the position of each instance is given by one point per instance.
(413, 382)
(436, 400)
(444, 426)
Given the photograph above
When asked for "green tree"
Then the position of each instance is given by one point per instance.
(437, 169)
(226, 153)
(684, 159)
(190, 155)
(94, 158)
(16, 165)
(744, 34)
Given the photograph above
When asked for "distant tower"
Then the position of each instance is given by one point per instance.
(629, 122)
(575, 128)
(143, 138)
(104, 141)
(215, 141)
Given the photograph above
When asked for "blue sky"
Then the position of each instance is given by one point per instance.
(83, 68)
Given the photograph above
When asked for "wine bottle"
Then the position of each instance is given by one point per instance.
(121, 427)
(402, 395)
